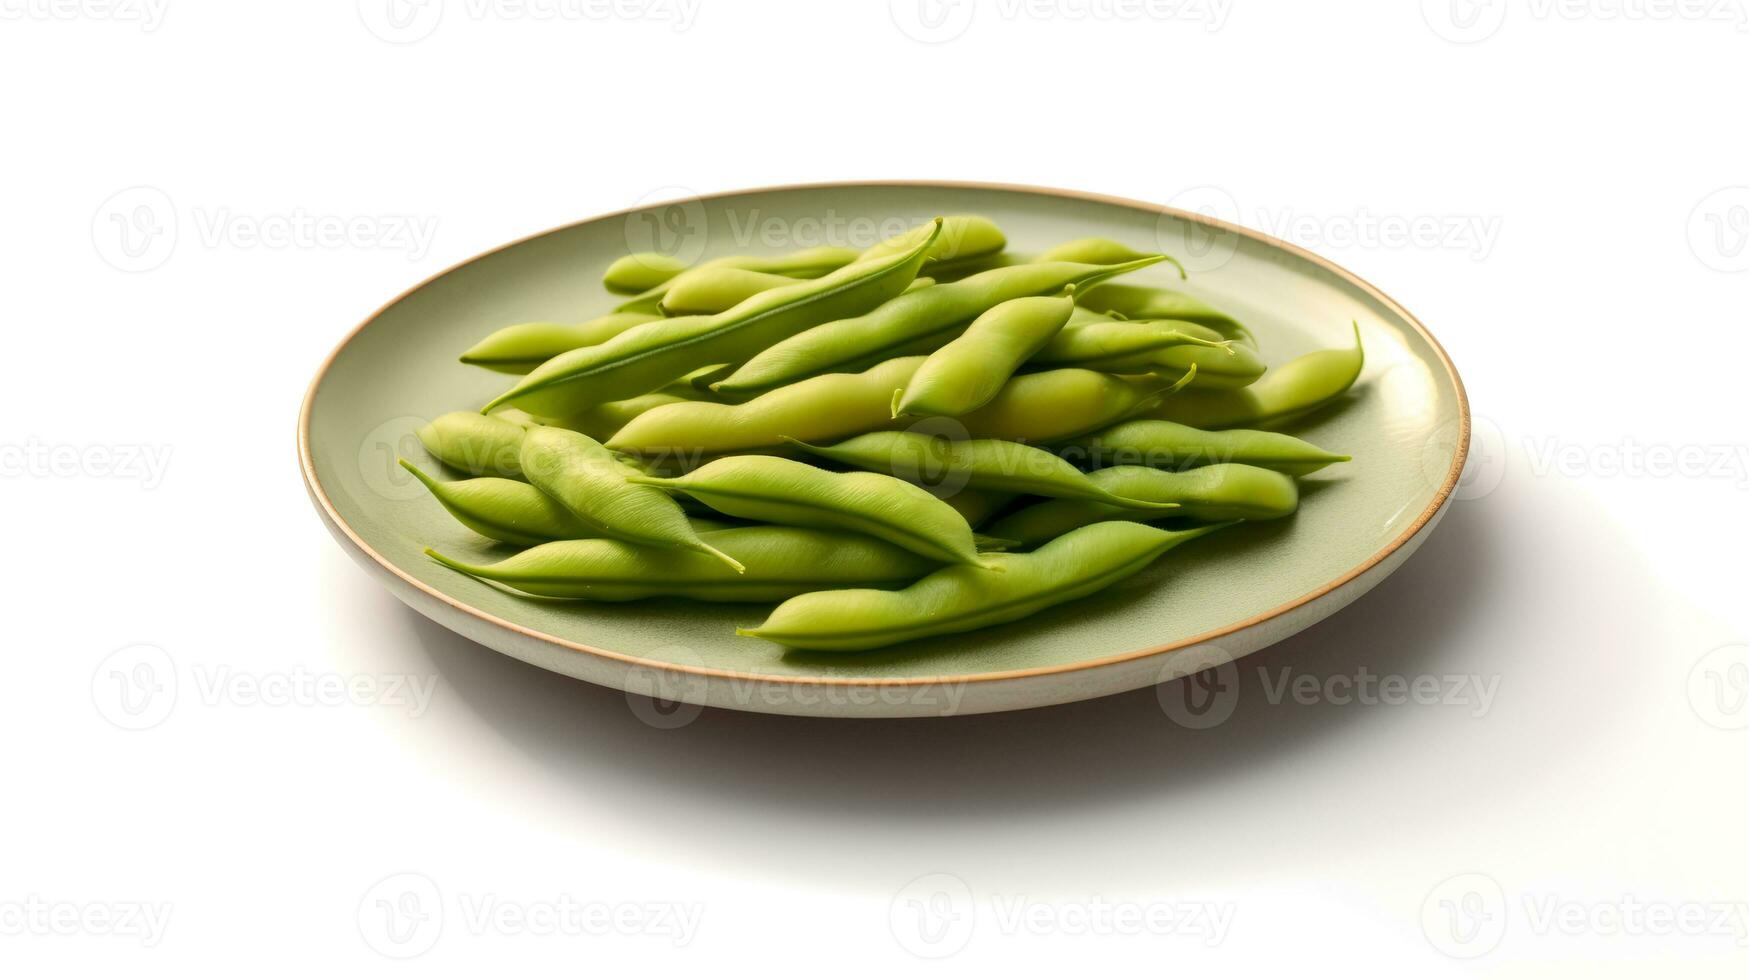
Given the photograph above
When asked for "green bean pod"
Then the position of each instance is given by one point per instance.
(964, 238)
(714, 289)
(808, 263)
(1135, 346)
(646, 357)
(522, 347)
(473, 443)
(828, 407)
(1093, 251)
(969, 370)
(639, 271)
(504, 510)
(978, 464)
(928, 317)
(977, 506)
(780, 562)
(601, 421)
(1222, 492)
(961, 598)
(1054, 406)
(784, 491)
(1152, 303)
(1169, 445)
(1286, 393)
(593, 484)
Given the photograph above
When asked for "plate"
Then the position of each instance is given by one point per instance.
(1406, 423)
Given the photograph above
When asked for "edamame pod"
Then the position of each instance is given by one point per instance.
(980, 464)
(928, 316)
(522, 347)
(977, 506)
(808, 263)
(504, 510)
(1222, 492)
(1283, 395)
(602, 421)
(784, 491)
(828, 407)
(483, 445)
(964, 238)
(1094, 251)
(639, 271)
(1169, 445)
(1151, 303)
(969, 370)
(646, 357)
(1053, 406)
(780, 562)
(961, 598)
(1134, 346)
(712, 290)
(593, 485)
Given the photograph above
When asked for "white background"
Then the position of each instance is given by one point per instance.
(1586, 166)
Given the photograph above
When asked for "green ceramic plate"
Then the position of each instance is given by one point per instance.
(1406, 424)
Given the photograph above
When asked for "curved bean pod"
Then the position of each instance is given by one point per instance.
(961, 598)
(715, 289)
(1136, 346)
(828, 407)
(593, 485)
(522, 347)
(473, 443)
(780, 562)
(504, 510)
(1222, 492)
(980, 464)
(1053, 406)
(646, 357)
(928, 316)
(1094, 251)
(639, 271)
(1302, 385)
(964, 238)
(1169, 445)
(602, 421)
(969, 370)
(784, 491)
(808, 263)
(977, 506)
(1150, 303)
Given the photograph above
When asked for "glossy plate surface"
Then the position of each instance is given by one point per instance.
(1406, 424)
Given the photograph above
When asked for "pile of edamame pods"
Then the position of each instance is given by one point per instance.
(928, 436)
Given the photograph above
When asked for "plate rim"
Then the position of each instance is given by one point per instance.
(313, 485)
